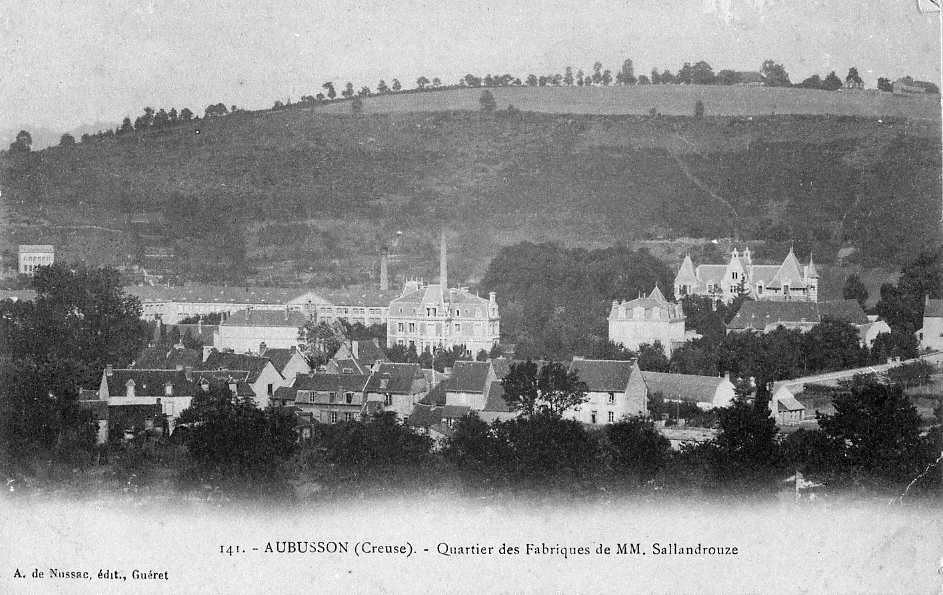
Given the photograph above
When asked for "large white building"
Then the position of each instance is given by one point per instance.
(646, 320)
(433, 316)
(789, 281)
(248, 330)
(32, 256)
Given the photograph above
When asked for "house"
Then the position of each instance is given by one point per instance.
(788, 281)
(706, 392)
(261, 373)
(433, 316)
(246, 330)
(167, 392)
(750, 78)
(468, 384)
(368, 354)
(615, 389)
(329, 398)
(931, 335)
(288, 362)
(436, 421)
(398, 387)
(646, 320)
(33, 255)
(908, 86)
(764, 317)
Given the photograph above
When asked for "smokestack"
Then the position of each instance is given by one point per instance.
(384, 272)
(443, 263)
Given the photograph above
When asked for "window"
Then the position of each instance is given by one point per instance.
(458, 313)
(333, 417)
(785, 289)
(388, 400)
(348, 398)
(733, 275)
(612, 398)
(759, 288)
(303, 396)
(270, 390)
(450, 422)
(478, 313)
(430, 311)
(412, 327)
(333, 397)
(168, 389)
(348, 416)
(612, 417)
(458, 327)
(592, 417)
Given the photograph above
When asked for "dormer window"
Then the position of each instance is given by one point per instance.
(384, 380)
(168, 390)
(478, 313)
(349, 398)
(129, 388)
(785, 289)
(348, 371)
(333, 397)
(759, 289)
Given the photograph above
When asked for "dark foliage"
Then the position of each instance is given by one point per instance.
(637, 449)
(377, 443)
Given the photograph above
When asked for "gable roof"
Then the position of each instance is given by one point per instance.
(789, 273)
(496, 400)
(349, 364)
(218, 360)
(399, 378)
(761, 314)
(686, 387)
(150, 383)
(686, 275)
(501, 366)
(436, 396)
(276, 318)
(603, 375)
(331, 382)
(469, 377)
(280, 357)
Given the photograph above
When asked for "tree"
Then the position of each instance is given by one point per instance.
(833, 345)
(685, 74)
(902, 305)
(878, 430)
(698, 109)
(421, 83)
(348, 91)
(231, 436)
(855, 289)
(172, 116)
(397, 86)
(774, 75)
(567, 76)
(67, 140)
(853, 77)
(813, 82)
(885, 84)
(482, 356)
(644, 80)
(702, 74)
(550, 388)
(331, 93)
(652, 358)
(186, 115)
(579, 78)
(606, 77)
(321, 341)
(635, 447)
(832, 82)
(597, 73)
(531, 80)
(375, 443)
(382, 88)
(487, 101)
(746, 452)
(80, 316)
(363, 92)
(668, 78)
(626, 76)
(656, 77)
(436, 83)
(23, 142)
(161, 119)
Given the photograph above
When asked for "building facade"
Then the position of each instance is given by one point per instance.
(789, 281)
(615, 390)
(646, 320)
(931, 335)
(246, 330)
(32, 256)
(431, 317)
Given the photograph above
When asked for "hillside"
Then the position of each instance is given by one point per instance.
(307, 195)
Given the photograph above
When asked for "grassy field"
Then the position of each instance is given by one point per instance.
(306, 195)
(673, 100)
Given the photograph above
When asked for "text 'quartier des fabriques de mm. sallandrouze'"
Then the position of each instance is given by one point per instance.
(457, 549)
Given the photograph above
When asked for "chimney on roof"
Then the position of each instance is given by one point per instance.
(262, 348)
(384, 270)
(355, 349)
(109, 370)
(491, 296)
(179, 367)
(443, 262)
(199, 324)
(188, 373)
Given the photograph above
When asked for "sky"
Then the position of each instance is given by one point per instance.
(68, 63)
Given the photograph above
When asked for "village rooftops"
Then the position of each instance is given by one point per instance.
(683, 387)
(331, 382)
(236, 361)
(266, 318)
(150, 383)
(279, 357)
(215, 294)
(760, 315)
